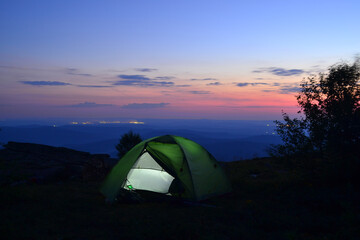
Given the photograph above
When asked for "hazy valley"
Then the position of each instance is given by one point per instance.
(226, 140)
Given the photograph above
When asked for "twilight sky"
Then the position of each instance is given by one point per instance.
(224, 59)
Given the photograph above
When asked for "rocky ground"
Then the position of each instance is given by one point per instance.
(53, 193)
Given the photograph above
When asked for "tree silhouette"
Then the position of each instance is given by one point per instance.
(127, 141)
(329, 127)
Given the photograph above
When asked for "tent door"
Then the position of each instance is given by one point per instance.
(147, 174)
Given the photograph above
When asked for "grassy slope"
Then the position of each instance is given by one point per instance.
(279, 203)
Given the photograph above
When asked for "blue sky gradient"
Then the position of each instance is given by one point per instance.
(204, 59)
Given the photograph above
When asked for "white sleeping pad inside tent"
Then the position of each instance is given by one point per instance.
(147, 174)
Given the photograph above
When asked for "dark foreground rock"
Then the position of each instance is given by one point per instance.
(24, 162)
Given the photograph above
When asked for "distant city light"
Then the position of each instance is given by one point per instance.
(136, 122)
(107, 122)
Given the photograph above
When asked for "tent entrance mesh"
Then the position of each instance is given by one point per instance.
(147, 174)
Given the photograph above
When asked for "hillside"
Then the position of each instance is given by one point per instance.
(270, 200)
(24, 162)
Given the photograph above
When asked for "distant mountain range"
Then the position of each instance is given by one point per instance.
(226, 141)
(223, 149)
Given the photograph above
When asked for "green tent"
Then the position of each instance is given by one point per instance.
(170, 165)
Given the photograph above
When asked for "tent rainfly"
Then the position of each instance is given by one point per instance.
(170, 165)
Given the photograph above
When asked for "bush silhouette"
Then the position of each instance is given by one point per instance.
(127, 142)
